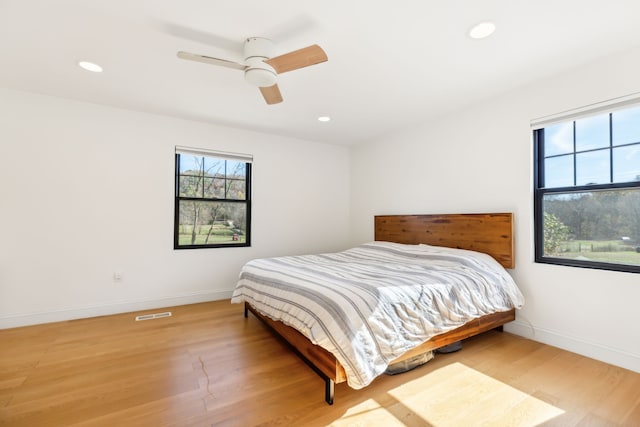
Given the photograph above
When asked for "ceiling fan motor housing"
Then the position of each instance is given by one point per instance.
(258, 72)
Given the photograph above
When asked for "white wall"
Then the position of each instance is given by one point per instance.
(88, 190)
(480, 160)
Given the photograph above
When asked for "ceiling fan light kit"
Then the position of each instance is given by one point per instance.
(260, 76)
(259, 73)
(260, 68)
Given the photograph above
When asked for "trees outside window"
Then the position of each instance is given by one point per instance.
(212, 200)
(587, 191)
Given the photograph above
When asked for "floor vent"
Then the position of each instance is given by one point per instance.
(153, 316)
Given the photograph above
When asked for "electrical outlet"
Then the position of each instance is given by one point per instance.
(117, 276)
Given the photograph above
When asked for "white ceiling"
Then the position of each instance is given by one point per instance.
(391, 63)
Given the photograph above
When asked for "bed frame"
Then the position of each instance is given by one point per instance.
(491, 233)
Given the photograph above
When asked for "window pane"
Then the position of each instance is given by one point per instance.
(599, 226)
(592, 132)
(218, 188)
(558, 172)
(211, 223)
(626, 163)
(237, 189)
(214, 188)
(190, 186)
(626, 126)
(593, 168)
(236, 169)
(209, 188)
(558, 139)
(190, 165)
(213, 166)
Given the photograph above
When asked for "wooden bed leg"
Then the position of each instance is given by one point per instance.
(329, 390)
(499, 328)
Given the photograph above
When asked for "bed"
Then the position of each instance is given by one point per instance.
(381, 284)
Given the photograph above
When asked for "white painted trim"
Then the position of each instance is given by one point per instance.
(587, 110)
(14, 321)
(593, 350)
(247, 158)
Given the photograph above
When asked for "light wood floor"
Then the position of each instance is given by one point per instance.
(208, 365)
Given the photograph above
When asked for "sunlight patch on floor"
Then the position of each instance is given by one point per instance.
(456, 395)
(365, 414)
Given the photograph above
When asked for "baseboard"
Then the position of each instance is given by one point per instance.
(593, 350)
(14, 321)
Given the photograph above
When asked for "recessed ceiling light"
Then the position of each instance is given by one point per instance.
(482, 30)
(324, 119)
(90, 66)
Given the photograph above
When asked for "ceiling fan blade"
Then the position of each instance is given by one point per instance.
(271, 94)
(211, 60)
(300, 58)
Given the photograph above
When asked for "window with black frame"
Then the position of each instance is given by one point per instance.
(587, 190)
(212, 199)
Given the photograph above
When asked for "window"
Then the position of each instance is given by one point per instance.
(587, 191)
(212, 199)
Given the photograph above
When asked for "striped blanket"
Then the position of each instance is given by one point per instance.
(370, 304)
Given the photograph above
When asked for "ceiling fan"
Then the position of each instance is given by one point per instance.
(260, 69)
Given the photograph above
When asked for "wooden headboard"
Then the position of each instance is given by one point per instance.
(491, 233)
